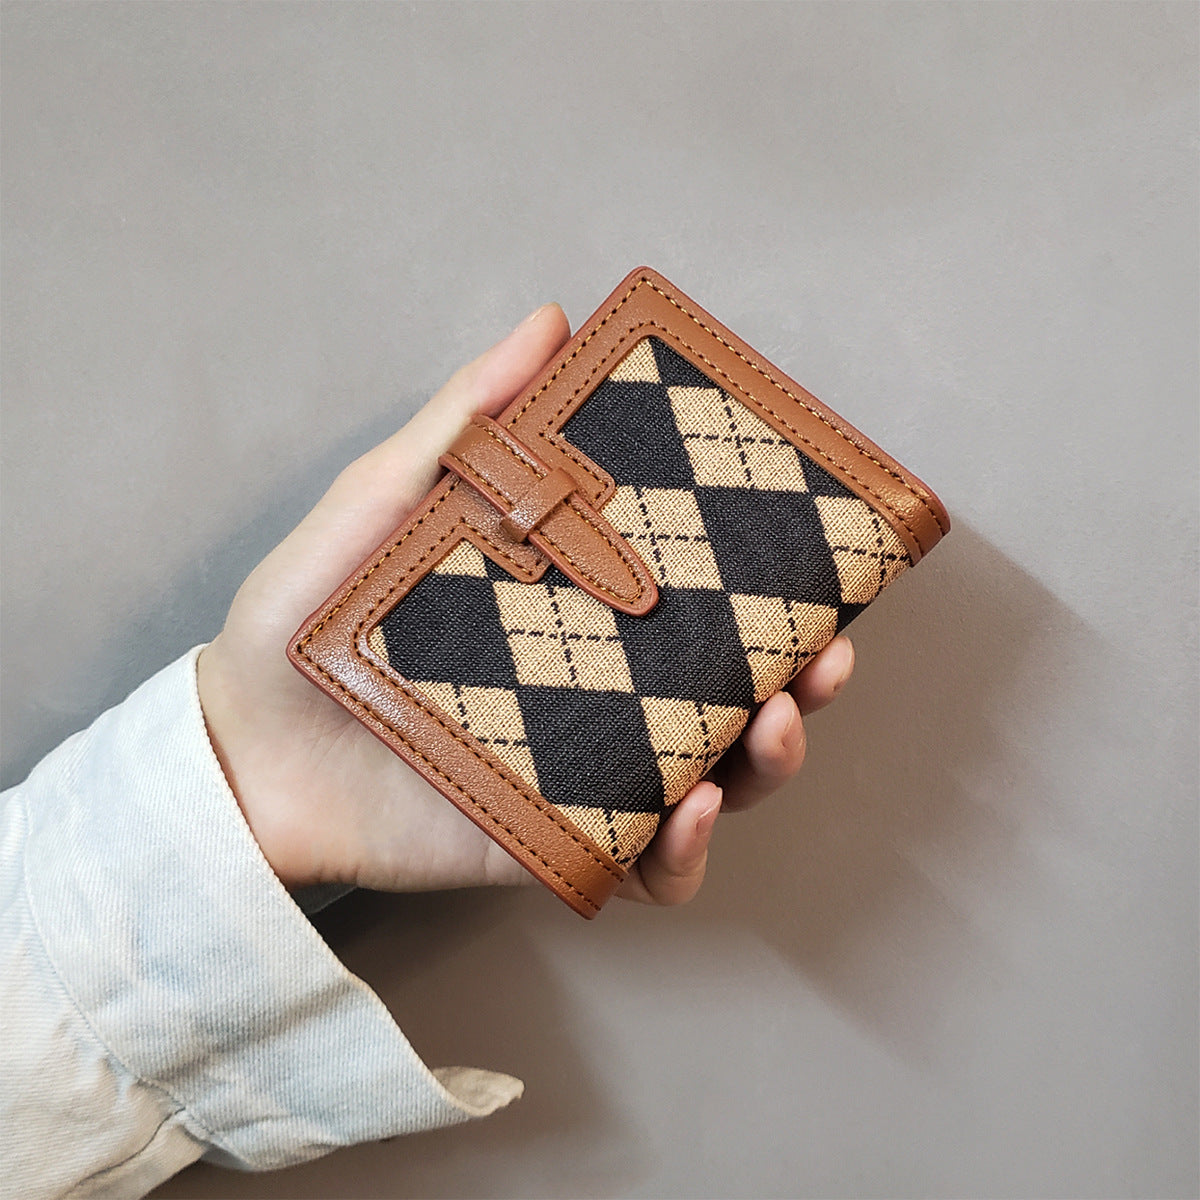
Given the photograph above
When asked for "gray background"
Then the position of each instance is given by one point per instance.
(959, 958)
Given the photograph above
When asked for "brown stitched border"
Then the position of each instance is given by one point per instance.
(855, 442)
(331, 647)
(448, 781)
(332, 650)
(942, 520)
(465, 468)
(849, 456)
(767, 412)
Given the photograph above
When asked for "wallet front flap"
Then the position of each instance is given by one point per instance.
(564, 726)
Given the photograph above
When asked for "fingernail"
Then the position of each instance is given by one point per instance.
(793, 732)
(847, 667)
(708, 818)
(533, 316)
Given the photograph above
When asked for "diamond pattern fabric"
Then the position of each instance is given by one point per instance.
(760, 556)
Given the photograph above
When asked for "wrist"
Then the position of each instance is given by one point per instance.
(231, 733)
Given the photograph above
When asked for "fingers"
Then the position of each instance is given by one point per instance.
(387, 481)
(374, 493)
(825, 676)
(671, 868)
(771, 750)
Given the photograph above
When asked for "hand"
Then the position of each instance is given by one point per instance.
(326, 800)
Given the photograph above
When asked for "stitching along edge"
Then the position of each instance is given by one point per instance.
(644, 281)
(816, 451)
(803, 404)
(397, 683)
(460, 736)
(639, 589)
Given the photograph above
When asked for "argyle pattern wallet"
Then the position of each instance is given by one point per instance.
(609, 581)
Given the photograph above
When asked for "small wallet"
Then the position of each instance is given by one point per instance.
(610, 579)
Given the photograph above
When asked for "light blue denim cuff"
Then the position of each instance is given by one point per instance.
(191, 962)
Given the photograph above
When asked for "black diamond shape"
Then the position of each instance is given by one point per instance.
(494, 569)
(448, 628)
(675, 371)
(629, 429)
(591, 748)
(687, 647)
(847, 613)
(819, 480)
(769, 544)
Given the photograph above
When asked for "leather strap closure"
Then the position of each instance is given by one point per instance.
(535, 505)
(546, 508)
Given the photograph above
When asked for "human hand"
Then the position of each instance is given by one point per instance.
(327, 801)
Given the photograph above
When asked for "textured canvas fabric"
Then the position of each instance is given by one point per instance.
(760, 556)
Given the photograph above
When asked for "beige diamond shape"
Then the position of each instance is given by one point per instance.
(780, 636)
(664, 526)
(464, 559)
(732, 447)
(562, 637)
(867, 551)
(638, 366)
(492, 716)
(378, 644)
(688, 736)
(624, 835)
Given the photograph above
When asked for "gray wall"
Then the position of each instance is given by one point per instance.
(242, 243)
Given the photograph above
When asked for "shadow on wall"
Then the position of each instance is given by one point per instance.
(873, 880)
(911, 819)
(471, 950)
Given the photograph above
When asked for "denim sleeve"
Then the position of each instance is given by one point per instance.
(162, 997)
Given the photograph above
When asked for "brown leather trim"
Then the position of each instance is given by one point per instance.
(331, 647)
(332, 651)
(646, 304)
(533, 506)
(481, 525)
(572, 534)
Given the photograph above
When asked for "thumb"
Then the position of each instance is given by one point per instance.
(485, 385)
(374, 493)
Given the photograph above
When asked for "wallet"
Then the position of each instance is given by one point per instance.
(610, 579)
